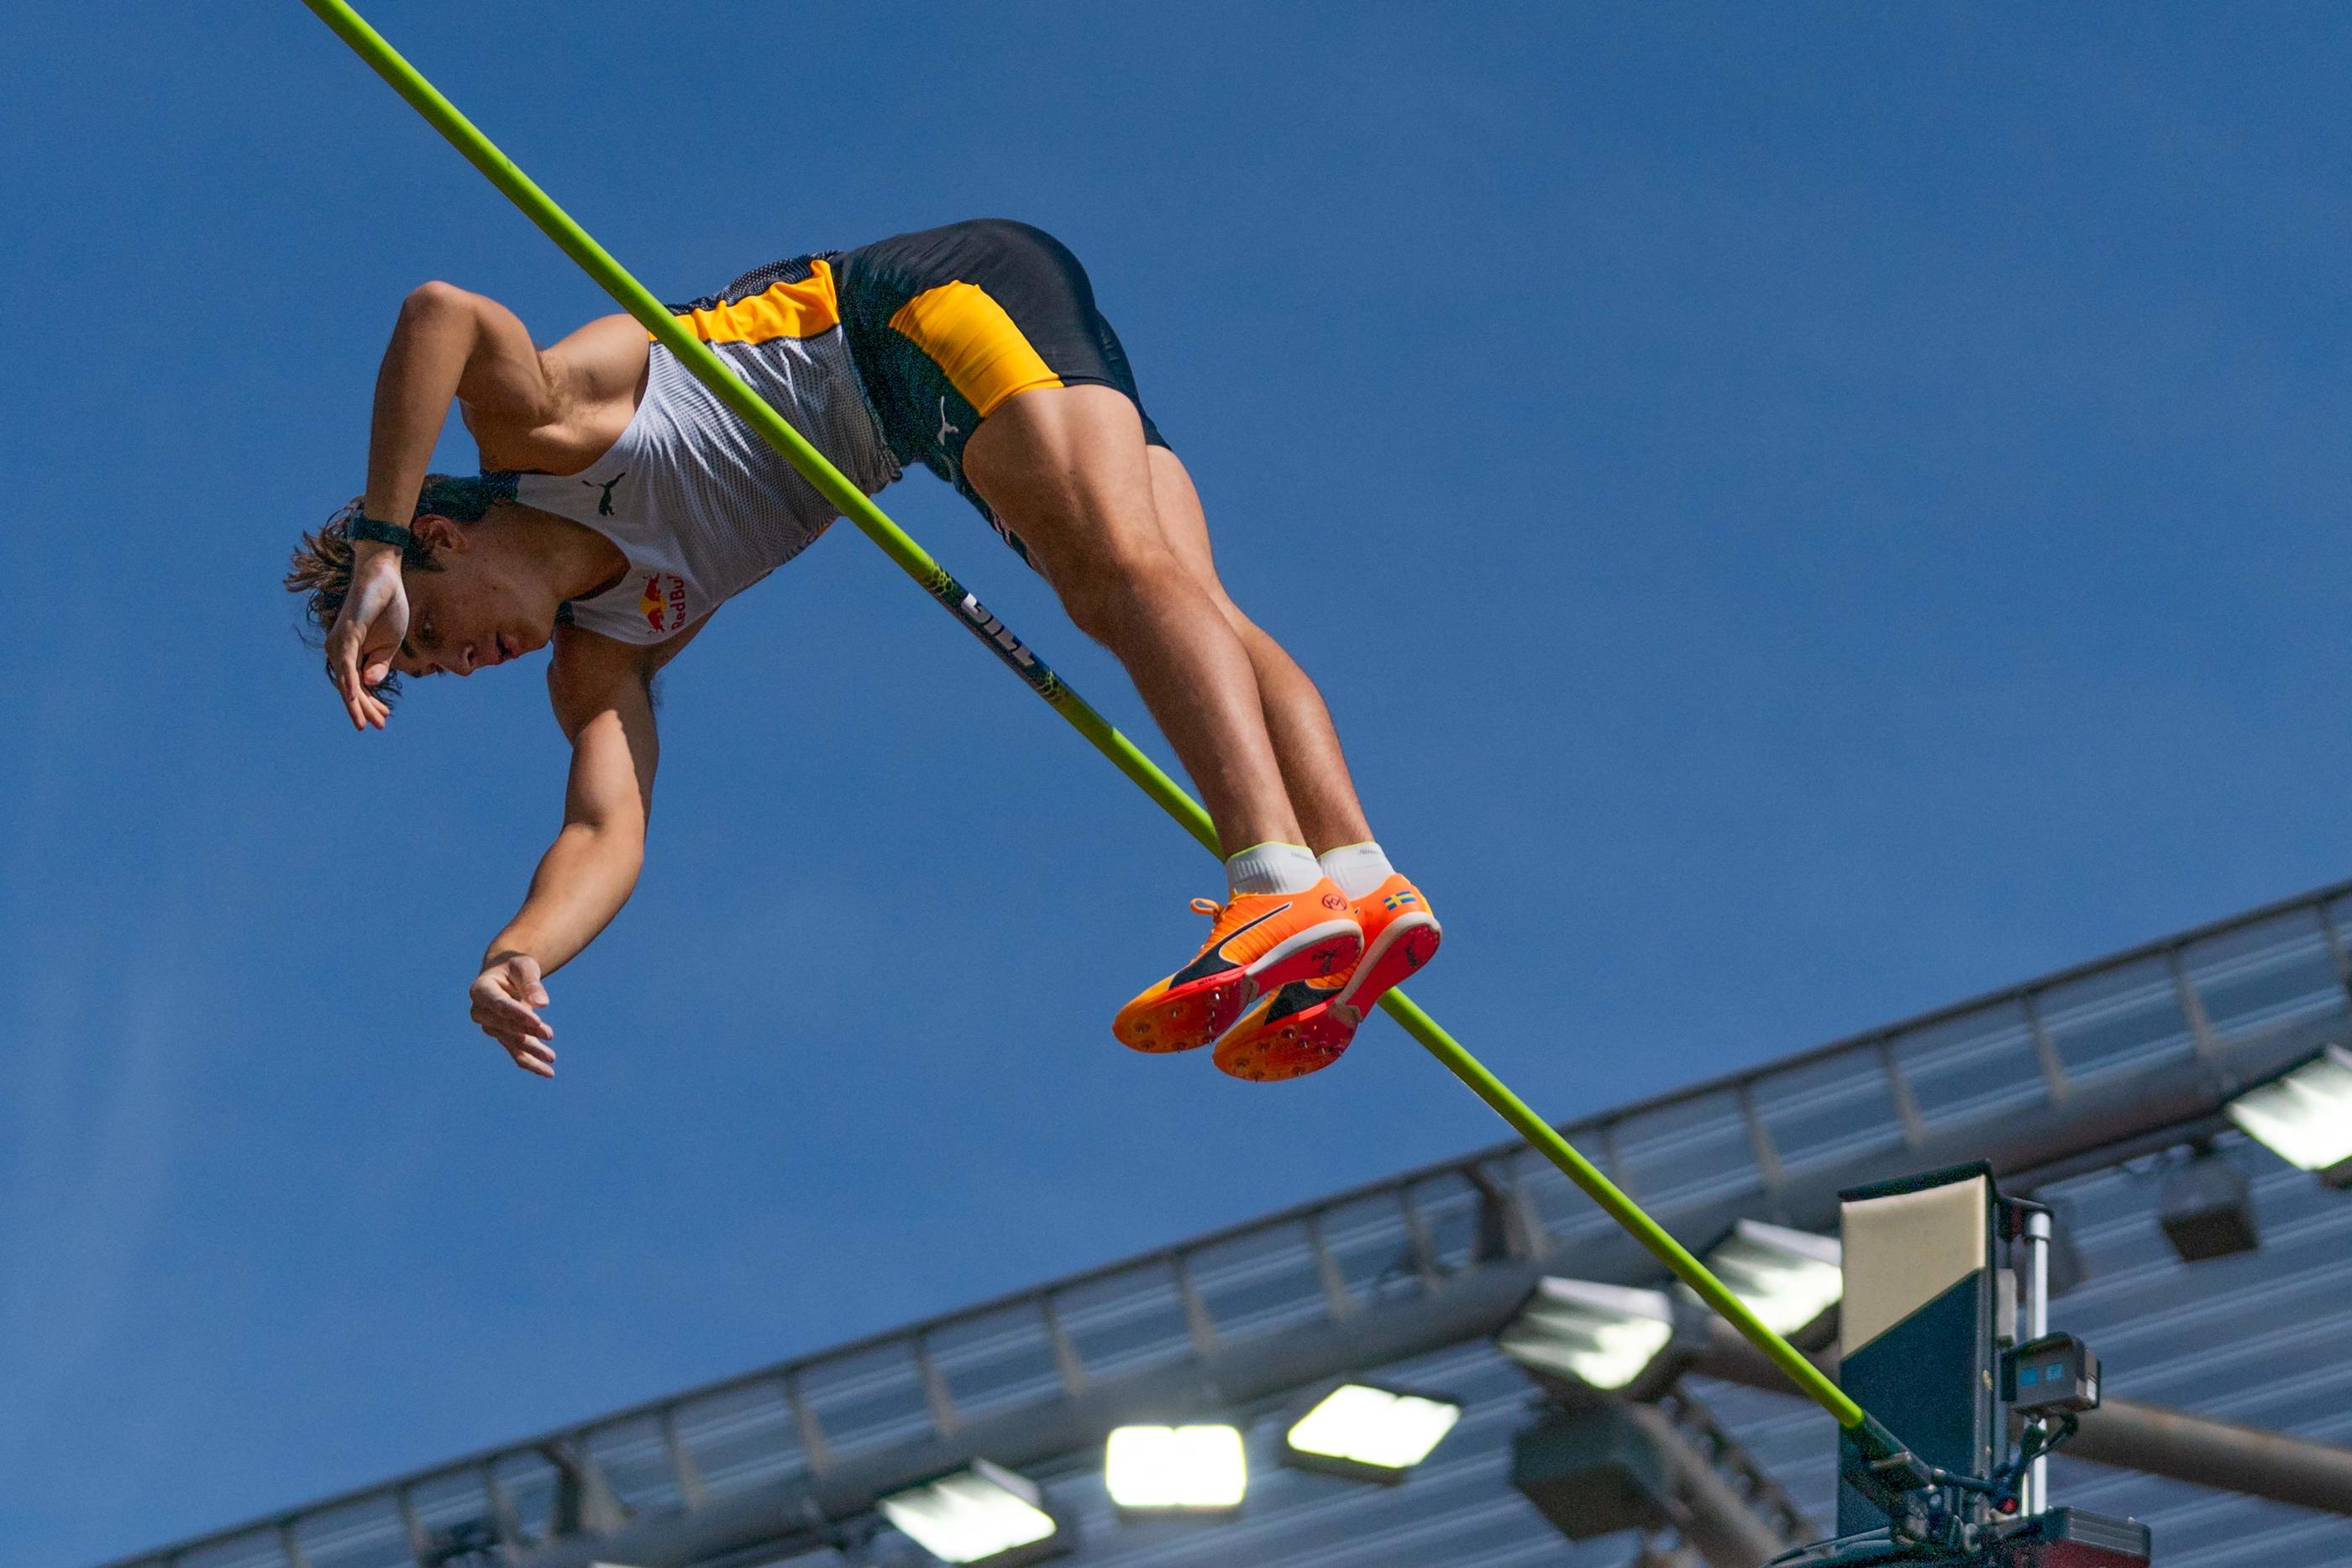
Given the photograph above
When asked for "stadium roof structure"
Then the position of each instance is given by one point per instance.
(2092, 1089)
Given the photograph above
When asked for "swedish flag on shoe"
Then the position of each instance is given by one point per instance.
(1304, 1027)
(1258, 943)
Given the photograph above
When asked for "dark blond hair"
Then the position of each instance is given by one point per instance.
(322, 564)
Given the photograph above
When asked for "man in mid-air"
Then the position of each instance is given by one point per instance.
(620, 503)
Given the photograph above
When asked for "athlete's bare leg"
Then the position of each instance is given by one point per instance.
(1314, 770)
(1065, 468)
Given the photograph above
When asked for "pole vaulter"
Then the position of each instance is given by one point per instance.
(1890, 1468)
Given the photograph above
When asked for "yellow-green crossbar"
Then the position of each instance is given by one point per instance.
(916, 563)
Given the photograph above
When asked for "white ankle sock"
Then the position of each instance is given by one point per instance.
(1273, 868)
(1356, 868)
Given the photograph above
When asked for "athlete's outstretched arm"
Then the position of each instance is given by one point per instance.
(603, 695)
(447, 344)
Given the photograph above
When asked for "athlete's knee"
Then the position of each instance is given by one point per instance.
(1203, 575)
(1105, 587)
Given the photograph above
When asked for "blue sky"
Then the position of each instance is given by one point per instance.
(1800, 518)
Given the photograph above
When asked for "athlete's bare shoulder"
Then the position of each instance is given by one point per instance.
(598, 368)
(593, 380)
(586, 667)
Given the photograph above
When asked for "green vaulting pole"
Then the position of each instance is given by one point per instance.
(916, 563)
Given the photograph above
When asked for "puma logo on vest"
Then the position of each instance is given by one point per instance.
(604, 501)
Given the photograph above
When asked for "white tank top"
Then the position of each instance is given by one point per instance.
(702, 508)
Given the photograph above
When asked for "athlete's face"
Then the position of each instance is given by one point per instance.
(490, 603)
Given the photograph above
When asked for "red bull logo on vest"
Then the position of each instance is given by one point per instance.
(663, 603)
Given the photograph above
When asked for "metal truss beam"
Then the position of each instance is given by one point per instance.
(1721, 1525)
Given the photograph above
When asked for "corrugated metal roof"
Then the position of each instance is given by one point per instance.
(2264, 1338)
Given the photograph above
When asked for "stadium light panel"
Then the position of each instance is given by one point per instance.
(982, 1514)
(2305, 1118)
(1603, 1336)
(1195, 1469)
(1788, 1278)
(1369, 1433)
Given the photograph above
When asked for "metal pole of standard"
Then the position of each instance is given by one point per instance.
(2033, 1495)
(912, 558)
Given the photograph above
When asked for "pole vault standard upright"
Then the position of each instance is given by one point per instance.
(916, 563)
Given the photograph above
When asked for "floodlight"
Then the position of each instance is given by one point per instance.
(1199, 1468)
(1595, 1471)
(1603, 1336)
(1368, 1433)
(982, 1514)
(2207, 1208)
(1788, 1278)
(2305, 1118)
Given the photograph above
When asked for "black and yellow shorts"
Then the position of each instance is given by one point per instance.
(945, 325)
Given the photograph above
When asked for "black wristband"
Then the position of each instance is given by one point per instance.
(360, 526)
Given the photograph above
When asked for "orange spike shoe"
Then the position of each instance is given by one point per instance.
(1304, 1027)
(1259, 943)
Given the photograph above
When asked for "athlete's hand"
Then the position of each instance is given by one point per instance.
(367, 633)
(507, 996)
